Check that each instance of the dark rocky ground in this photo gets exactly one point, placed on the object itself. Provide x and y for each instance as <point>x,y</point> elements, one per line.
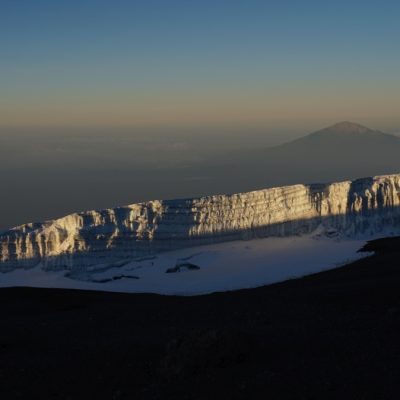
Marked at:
<point>333,335</point>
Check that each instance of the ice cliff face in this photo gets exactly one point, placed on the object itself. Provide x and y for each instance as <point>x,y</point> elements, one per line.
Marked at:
<point>87,238</point>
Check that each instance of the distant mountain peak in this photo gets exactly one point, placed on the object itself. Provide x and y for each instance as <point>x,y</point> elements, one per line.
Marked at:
<point>347,128</point>
<point>344,136</point>
<point>349,125</point>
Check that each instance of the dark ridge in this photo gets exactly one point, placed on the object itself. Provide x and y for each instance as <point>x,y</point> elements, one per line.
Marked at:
<point>382,246</point>
<point>332,335</point>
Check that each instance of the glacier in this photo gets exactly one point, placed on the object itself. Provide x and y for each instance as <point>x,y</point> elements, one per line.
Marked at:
<point>83,240</point>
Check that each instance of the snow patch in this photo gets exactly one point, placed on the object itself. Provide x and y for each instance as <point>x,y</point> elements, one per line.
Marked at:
<point>222,267</point>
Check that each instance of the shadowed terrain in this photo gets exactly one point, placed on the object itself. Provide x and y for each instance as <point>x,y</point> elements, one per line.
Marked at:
<point>330,335</point>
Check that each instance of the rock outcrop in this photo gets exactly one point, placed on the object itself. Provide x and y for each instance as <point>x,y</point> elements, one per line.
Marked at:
<point>95,237</point>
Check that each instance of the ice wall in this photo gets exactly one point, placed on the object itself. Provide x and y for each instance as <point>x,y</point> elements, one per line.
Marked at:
<point>87,238</point>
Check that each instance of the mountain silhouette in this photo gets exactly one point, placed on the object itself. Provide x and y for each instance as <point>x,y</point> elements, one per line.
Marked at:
<point>342,151</point>
<point>345,150</point>
<point>342,136</point>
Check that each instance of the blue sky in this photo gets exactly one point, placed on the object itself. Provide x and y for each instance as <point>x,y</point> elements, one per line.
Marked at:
<point>174,62</point>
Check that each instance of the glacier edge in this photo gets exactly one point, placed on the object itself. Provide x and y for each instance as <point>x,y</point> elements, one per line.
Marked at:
<point>83,239</point>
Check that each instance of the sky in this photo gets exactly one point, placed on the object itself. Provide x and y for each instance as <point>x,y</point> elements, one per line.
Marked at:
<point>243,63</point>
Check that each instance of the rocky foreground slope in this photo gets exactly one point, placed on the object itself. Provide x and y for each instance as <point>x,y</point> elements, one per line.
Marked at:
<point>332,335</point>
<point>78,240</point>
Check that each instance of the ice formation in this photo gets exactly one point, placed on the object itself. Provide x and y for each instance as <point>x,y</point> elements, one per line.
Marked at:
<point>83,239</point>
